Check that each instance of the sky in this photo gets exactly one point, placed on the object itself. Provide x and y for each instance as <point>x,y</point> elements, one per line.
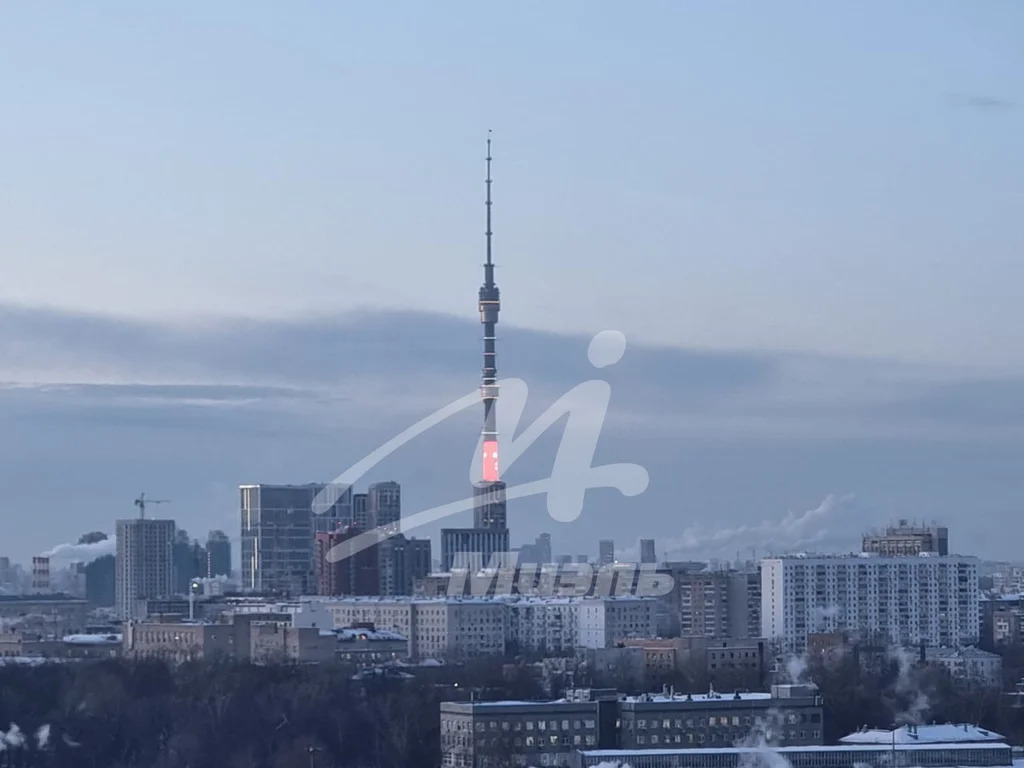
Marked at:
<point>814,206</point>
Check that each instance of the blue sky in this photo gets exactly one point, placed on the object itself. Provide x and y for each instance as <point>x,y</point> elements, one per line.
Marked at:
<point>840,178</point>
<point>822,198</point>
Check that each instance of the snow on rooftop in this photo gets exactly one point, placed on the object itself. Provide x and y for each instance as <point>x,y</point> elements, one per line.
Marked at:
<point>354,633</point>
<point>111,639</point>
<point>663,697</point>
<point>621,754</point>
<point>924,734</point>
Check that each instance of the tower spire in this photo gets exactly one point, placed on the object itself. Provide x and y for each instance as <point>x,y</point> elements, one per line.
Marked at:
<point>489,263</point>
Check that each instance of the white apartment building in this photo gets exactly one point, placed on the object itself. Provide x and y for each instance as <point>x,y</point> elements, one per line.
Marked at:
<point>605,621</point>
<point>435,627</point>
<point>544,624</point>
<point>464,627</point>
<point>903,600</point>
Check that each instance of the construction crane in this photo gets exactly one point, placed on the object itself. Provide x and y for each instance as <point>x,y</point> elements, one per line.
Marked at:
<point>142,501</point>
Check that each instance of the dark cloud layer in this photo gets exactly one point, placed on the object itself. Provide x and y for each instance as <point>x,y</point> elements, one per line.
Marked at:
<point>737,445</point>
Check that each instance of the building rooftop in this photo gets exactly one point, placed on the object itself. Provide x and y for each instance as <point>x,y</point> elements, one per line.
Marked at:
<point>347,635</point>
<point>621,753</point>
<point>699,697</point>
<point>969,652</point>
<point>869,556</point>
<point>948,734</point>
<point>111,639</point>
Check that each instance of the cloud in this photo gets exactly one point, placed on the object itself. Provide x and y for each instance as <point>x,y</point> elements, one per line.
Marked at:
<point>96,409</point>
<point>983,102</point>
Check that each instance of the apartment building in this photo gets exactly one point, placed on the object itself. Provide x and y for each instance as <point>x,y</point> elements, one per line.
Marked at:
<point>906,600</point>
<point>545,625</point>
<point>607,621</point>
<point>439,627</point>
<point>144,563</point>
<point>259,638</point>
<point>723,603</point>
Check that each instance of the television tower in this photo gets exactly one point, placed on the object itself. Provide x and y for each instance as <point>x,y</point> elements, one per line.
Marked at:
<point>489,493</point>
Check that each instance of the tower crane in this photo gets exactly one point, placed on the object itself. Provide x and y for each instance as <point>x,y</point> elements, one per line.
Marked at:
<point>142,501</point>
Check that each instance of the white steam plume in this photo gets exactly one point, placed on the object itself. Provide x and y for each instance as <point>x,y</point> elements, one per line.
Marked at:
<point>13,739</point>
<point>81,553</point>
<point>816,527</point>
<point>796,668</point>
<point>43,736</point>
<point>919,706</point>
<point>762,741</point>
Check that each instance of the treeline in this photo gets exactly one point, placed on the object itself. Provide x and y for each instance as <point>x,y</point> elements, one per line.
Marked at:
<point>146,714</point>
<point>895,692</point>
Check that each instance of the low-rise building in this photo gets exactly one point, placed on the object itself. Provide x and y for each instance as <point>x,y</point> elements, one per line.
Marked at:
<point>479,734</point>
<point>725,660</point>
<point>947,733</point>
<point>790,715</point>
<point>845,756</point>
<point>28,644</point>
<point>485,734</point>
<point>48,614</point>
<point>93,645</point>
<point>368,646</point>
<point>969,666</point>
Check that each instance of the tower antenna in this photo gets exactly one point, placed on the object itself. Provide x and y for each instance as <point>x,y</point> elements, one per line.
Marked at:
<point>489,262</point>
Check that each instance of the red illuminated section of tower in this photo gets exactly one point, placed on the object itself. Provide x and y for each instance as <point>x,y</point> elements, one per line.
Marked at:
<point>490,461</point>
<point>490,305</point>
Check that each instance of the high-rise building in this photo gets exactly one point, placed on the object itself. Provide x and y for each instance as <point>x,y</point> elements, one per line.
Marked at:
<point>145,564</point>
<point>356,574</point>
<point>384,505</point>
<point>218,554</point>
<point>100,576</point>
<point>605,552</point>
<point>538,552</point>
<point>41,575</point>
<point>647,553</point>
<point>277,537</point>
<point>400,562</point>
<point>472,547</point>
<point>907,539</point>
<point>189,562</point>
<point>361,512</point>
<point>333,508</point>
<point>901,600</point>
